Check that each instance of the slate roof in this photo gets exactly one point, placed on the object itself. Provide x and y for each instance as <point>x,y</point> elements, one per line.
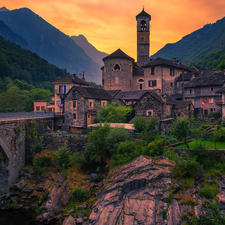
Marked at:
<point>118,54</point>
<point>92,111</point>
<point>70,79</point>
<point>136,95</point>
<point>187,77</point>
<point>177,104</point>
<point>92,93</point>
<point>166,62</point>
<point>209,79</point>
<point>221,90</point>
<point>177,96</point>
<point>113,92</point>
<point>143,14</point>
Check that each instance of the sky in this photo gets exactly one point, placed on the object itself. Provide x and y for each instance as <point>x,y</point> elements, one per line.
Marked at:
<point>111,24</point>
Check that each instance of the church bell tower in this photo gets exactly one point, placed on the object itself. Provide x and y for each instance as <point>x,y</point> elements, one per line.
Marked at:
<point>143,42</point>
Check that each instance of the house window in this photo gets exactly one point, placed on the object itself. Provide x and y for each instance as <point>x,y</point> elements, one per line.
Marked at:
<point>211,89</point>
<point>74,116</point>
<point>117,67</point>
<point>37,108</point>
<point>60,89</point>
<point>212,110</point>
<point>172,72</point>
<point>152,83</point>
<point>149,112</point>
<point>211,100</point>
<point>74,104</point>
<point>140,86</point>
<point>42,108</point>
<point>102,81</point>
<point>190,91</point>
<point>91,103</point>
<point>141,81</point>
<point>152,70</point>
<point>64,89</point>
<point>171,84</point>
<point>103,103</point>
<point>130,68</point>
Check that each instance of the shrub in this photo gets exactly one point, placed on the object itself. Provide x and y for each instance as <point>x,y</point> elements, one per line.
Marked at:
<point>77,158</point>
<point>38,144</point>
<point>79,194</point>
<point>187,166</point>
<point>204,127</point>
<point>156,148</point>
<point>44,161</point>
<point>170,154</point>
<point>114,137</point>
<point>139,124</point>
<point>206,192</point>
<point>126,147</point>
<point>63,156</point>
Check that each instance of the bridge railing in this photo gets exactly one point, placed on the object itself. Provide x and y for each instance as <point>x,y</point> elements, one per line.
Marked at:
<point>25,115</point>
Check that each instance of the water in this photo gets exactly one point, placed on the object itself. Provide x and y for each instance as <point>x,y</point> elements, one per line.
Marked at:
<point>11,218</point>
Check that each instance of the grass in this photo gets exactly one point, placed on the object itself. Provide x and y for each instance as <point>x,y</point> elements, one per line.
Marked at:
<point>208,143</point>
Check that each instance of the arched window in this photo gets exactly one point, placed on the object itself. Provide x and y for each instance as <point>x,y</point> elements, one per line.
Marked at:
<point>116,67</point>
<point>143,25</point>
<point>140,82</point>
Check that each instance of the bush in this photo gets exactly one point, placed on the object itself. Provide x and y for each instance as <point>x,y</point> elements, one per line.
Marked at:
<point>156,148</point>
<point>77,158</point>
<point>79,194</point>
<point>206,192</point>
<point>114,137</point>
<point>204,127</point>
<point>170,154</point>
<point>63,156</point>
<point>187,166</point>
<point>139,124</point>
<point>44,161</point>
<point>126,147</point>
<point>38,144</point>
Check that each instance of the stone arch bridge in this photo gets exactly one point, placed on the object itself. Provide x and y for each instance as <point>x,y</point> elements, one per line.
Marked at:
<point>15,146</point>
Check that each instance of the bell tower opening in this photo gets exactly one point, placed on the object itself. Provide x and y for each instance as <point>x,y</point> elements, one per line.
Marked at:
<point>143,40</point>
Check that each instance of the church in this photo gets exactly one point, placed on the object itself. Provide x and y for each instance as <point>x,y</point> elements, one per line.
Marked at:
<point>121,72</point>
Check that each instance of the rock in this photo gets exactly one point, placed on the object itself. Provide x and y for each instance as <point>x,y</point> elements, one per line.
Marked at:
<point>40,188</point>
<point>100,184</point>
<point>71,211</point>
<point>69,221</point>
<point>81,215</point>
<point>27,189</point>
<point>133,192</point>
<point>20,185</point>
<point>85,218</point>
<point>84,206</point>
<point>210,180</point>
<point>80,220</point>
<point>94,177</point>
<point>98,194</point>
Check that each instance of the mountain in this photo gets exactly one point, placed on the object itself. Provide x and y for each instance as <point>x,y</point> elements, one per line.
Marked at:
<point>9,35</point>
<point>89,49</point>
<point>50,43</point>
<point>190,48</point>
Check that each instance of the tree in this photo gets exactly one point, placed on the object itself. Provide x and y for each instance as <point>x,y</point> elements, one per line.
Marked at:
<point>181,128</point>
<point>139,123</point>
<point>216,135</point>
<point>222,65</point>
<point>113,113</point>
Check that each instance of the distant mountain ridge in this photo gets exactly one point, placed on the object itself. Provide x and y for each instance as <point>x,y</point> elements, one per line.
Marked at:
<point>89,49</point>
<point>50,43</point>
<point>202,41</point>
<point>9,35</point>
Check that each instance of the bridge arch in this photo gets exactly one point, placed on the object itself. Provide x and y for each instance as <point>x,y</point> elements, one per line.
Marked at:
<point>4,151</point>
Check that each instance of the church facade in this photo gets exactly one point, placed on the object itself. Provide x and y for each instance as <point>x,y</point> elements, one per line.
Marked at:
<point>121,72</point>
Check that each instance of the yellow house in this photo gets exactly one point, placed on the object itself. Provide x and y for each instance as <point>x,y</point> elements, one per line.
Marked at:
<point>62,86</point>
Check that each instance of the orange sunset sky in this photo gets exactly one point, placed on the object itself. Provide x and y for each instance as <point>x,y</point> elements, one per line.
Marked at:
<point>111,24</point>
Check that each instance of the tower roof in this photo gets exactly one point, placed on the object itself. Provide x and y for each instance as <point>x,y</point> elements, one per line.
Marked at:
<point>143,14</point>
<point>118,54</point>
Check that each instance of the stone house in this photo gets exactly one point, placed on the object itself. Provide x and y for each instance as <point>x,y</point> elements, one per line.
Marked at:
<point>202,91</point>
<point>81,104</point>
<point>61,88</point>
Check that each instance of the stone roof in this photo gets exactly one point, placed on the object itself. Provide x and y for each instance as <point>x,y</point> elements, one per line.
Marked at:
<point>136,95</point>
<point>187,77</point>
<point>143,14</point>
<point>118,54</point>
<point>209,79</point>
<point>92,111</point>
<point>92,93</point>
<point>113,92</point>
<point>177,96</point>
<point>221,90</point>
<point>168,63</point>
<point>70,79</point>
<point>177,104</point>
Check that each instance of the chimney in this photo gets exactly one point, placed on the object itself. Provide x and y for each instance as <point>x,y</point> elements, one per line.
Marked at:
<point>174,60</point>
<point>74,75</point>
<point>83,77</point>
<point>178,62</point>
<point>151,60</point>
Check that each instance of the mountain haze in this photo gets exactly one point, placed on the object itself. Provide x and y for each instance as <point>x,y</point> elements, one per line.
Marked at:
<point>50,43</point>
<point>190,48</point>
<point>89,49</point>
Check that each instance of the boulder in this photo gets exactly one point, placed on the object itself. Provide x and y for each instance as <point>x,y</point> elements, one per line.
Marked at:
<point>69,221</point>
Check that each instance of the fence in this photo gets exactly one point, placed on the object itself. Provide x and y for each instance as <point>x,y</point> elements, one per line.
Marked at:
<point>25,115</point>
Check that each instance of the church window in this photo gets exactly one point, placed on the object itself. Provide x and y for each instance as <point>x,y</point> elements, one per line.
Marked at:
<point>143,25</point>
<point>152,70</point>
<point>116,67</point>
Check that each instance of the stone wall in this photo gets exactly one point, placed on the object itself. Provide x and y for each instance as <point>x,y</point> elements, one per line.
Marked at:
<point>15,145</point>
<point>76,143</point>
